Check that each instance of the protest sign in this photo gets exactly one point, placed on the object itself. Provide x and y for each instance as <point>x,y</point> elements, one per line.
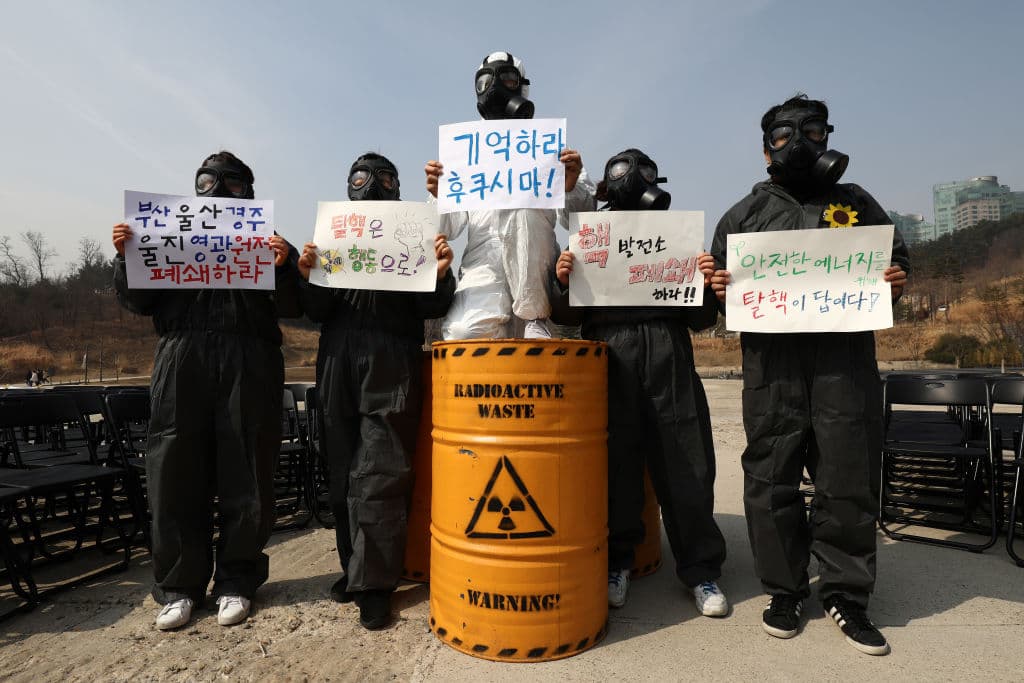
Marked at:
<point>501,164</point>
<point>376,245</point>
<point>636,258</point>
<point>198,242</point>
<point>809,280</point>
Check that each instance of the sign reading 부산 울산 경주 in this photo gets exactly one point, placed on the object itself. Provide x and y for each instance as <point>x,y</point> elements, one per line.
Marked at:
<point>183,242</point>
<point>501,164</point>
<point>375,245</point>
<point>809,280</point>
<point>636,258</point>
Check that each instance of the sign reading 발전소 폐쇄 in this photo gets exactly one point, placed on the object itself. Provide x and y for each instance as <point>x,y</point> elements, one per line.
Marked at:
<point>376,245</point>
<point>198,242</point>
<point>636,258</point>
<point>501,164</point>
<point>809,280</point>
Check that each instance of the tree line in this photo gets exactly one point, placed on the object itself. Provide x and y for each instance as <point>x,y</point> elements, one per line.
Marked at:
<point>984,261</point>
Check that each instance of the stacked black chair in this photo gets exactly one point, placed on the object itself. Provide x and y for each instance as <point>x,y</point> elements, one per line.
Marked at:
<point>1010,392</point>
<point>126,414</point>
<point>318,473</point>
<point>17,574</point>
<point>44,429</point>
<point>56,495</point>
<point>290,475</point>
<point>939,467</point>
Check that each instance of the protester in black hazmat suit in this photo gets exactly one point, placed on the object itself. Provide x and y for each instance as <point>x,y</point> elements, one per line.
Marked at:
<point>215,425</point>
<point>811,401</point>
<point>369,376</point>
<point>657,410</point>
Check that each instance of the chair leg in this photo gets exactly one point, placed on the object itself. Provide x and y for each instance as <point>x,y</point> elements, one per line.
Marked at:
<point>1011,530</point>
<point>19,571</point>
<point>993,528</point>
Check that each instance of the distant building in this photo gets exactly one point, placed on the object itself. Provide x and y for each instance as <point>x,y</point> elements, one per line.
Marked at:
<point>913,227</point>
<point>965,203</point>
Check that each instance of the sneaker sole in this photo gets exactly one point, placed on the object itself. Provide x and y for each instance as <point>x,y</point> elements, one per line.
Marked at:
<point>874,650</point>
<point>617,605</point>
<point>374,625</point>
<point>172,627</point>
<point>778,632</point>
<point>714,613</point>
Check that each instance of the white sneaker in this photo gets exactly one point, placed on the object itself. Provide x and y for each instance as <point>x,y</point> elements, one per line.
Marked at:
<point>710,599</point>
<point>174,614</point>
<point>233,609</point>
<point>537,329</point>
<point>618,586</point>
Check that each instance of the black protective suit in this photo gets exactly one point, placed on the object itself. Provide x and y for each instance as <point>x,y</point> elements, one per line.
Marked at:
<point>658,415</point>
<point>810,401</point>
<point>369,374</point>
<point>215,430</point>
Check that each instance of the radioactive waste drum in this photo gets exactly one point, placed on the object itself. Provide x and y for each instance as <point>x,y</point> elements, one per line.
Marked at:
<point>519,552</point>
<point>416,565</point>
<point>647,555</point>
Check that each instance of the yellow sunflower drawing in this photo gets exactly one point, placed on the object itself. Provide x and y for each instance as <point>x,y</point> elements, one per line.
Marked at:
<point>839,216</point>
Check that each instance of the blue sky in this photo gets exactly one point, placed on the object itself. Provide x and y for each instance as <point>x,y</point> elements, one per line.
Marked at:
<point>99,97</point>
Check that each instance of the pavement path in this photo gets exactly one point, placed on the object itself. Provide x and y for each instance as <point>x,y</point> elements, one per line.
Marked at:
<point>949,615</point>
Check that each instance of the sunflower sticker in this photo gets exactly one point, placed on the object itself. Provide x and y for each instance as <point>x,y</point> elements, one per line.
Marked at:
<point>840,216</point>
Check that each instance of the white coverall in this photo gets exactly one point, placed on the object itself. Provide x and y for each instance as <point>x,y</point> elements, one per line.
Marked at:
<point>505,267</point>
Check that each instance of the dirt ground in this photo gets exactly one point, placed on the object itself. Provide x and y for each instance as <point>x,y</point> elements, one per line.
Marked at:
<point>949,615</point>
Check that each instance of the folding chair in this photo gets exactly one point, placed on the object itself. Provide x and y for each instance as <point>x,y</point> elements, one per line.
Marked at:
<point>43,429</point>
<point>290,476</point>
<point>127,417</point>
<point>1011,426</point>
<point>15,570</point>
<point>89,401</point>
<point>317,472</point>
<point>939,474</point>
<point>48,538</point>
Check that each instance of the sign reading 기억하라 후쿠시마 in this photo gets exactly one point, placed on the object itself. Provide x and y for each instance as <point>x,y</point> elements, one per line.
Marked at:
<point>501,164</point>
<point>636,258</point>
<point>376,245</point>
<point>181,242</point>
<point>809,280</point>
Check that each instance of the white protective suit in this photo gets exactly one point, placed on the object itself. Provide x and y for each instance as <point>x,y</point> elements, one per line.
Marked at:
<point>505,268</point>
<point>509,252</point>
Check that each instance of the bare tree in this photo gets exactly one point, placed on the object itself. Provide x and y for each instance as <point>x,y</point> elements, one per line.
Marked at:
<point>40,250</point>
<point>12,267</point>
<point>90,254</point>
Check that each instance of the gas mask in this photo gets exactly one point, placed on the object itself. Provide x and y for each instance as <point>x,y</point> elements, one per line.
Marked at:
<point>631,183</point>
<point>502,87</point>
<point>224,179</point>
<point>797,146</point>
<point>373,178</point>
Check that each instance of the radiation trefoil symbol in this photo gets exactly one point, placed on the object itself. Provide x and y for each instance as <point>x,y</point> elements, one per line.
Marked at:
<point>332,261</point>
<point>839,216</point>
<point>506,509</point>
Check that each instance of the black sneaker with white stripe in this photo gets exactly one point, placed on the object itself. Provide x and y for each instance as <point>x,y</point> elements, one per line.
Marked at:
<point>854,622</point>
<point>781,618</point>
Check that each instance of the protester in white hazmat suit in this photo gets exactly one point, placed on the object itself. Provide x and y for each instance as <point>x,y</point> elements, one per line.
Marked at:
<point>509,252</point>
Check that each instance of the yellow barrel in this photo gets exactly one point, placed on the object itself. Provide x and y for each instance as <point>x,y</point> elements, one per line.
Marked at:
<point>416,566</point>
<point>647,558</point>
<point>519,549</point>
